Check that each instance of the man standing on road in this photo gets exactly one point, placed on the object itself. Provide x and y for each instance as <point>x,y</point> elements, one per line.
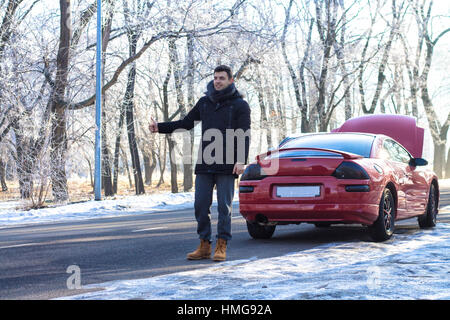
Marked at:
<point>224,147</point>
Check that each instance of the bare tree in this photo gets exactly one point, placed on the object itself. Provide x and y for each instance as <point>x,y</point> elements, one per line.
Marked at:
<point>170,139</point>
<point>9,118</point>
<point>397,15</point>
<point>298,83</point>
<point>106,154</point>
<point>58,108</point>
<point>438,131</point>
<point>133,34</point>
<point>187,138</point>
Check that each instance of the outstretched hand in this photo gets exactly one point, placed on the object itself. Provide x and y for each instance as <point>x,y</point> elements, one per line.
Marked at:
<point>153,126</point>
<point>239,168</point>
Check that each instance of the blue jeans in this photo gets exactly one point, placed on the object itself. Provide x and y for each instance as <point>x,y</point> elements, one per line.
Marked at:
<point>204,186</point>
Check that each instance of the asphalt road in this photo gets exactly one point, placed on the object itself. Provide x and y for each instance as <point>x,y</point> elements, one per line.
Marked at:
<point>34,259</point>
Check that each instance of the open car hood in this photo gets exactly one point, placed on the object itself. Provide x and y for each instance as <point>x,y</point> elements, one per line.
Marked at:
<point>399,127</point>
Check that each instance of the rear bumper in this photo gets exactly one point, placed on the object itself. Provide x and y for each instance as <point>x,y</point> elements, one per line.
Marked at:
<point>338,202</point>
<point>292,213</point>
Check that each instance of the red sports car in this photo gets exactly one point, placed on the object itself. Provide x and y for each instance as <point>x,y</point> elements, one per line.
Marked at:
<point>370,171</point>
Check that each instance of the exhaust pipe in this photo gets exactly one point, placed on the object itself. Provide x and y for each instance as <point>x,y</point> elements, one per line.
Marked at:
<point>263,221</point>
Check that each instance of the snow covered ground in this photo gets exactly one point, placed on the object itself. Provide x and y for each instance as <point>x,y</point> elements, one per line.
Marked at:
<point>409,266</point>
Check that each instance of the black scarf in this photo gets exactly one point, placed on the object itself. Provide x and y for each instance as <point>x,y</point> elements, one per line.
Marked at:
<point>218,96</point>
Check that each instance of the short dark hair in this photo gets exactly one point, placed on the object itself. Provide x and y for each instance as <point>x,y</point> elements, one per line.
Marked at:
<point>224,68</point>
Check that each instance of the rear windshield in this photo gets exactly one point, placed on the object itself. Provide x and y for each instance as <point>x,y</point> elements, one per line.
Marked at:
<point>360,144</point>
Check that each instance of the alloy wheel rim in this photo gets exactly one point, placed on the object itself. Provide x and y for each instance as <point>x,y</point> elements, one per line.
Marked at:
<point>387,214</point>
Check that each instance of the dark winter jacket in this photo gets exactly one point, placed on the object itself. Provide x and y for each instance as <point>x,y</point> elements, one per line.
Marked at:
<point>219,111</point>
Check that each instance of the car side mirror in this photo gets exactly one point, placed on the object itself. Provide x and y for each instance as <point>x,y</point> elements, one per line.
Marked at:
<point>415,162</point>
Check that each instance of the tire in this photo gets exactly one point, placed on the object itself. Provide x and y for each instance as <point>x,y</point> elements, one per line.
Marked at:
<point>428,220</point>
<point>257,231</point>
<point>383,228</point>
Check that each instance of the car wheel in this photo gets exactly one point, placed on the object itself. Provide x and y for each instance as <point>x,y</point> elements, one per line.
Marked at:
<point>428,220</point>
<point>383,228</point>
<point>258,231</point>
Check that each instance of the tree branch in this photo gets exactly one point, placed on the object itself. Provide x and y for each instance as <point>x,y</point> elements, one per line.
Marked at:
<point>440,35</point>
<point>91,100</point>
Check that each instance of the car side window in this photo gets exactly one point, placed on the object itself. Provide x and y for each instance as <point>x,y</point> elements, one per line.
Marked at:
<point>395,151</point>
<point>385,151</point>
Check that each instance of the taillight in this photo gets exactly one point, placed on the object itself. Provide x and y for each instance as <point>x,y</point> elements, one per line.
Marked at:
<point>253,172</point>
<point>350,170</point>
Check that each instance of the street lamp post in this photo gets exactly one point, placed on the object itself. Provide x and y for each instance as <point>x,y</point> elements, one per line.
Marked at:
<point>98,106</point>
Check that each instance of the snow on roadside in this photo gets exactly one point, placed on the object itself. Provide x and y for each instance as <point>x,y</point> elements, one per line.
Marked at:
<point>409,266</point>
<point>9,215</point>
<point>143,204</point>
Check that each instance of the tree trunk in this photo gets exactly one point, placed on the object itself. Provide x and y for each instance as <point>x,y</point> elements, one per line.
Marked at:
<point>117,148</point>
<point>327,34</point>
<point>173,165</point>
<point>187,145</point>
<point>58,110</point>
<point>24,163</point>
<point>24,172</point>
<point>264,124</point>
<point>447,166</point>
<point>149,167</point>
<point>129,116</point>
<point>162,164</point>
<point>2,175</point>
<point>106,154</point>
<point>106,160</point>
<point>339,48</point>
<point>439,159</point>
<point>170,142</point>
<point>91,175</point>
<point>281,107</point>
<point>188,165</point>
<point>127,167</point>
<point>300,102</point>
<point>438,132</point>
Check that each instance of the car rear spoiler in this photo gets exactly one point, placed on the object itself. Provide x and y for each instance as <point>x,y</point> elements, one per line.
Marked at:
<point>345,155</point>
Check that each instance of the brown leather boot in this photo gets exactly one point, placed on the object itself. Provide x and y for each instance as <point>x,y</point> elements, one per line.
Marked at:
<point>220,253</point>
<point>203,251</point>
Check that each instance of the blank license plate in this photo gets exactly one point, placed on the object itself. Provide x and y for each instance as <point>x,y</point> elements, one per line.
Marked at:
<point>298,191</point>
